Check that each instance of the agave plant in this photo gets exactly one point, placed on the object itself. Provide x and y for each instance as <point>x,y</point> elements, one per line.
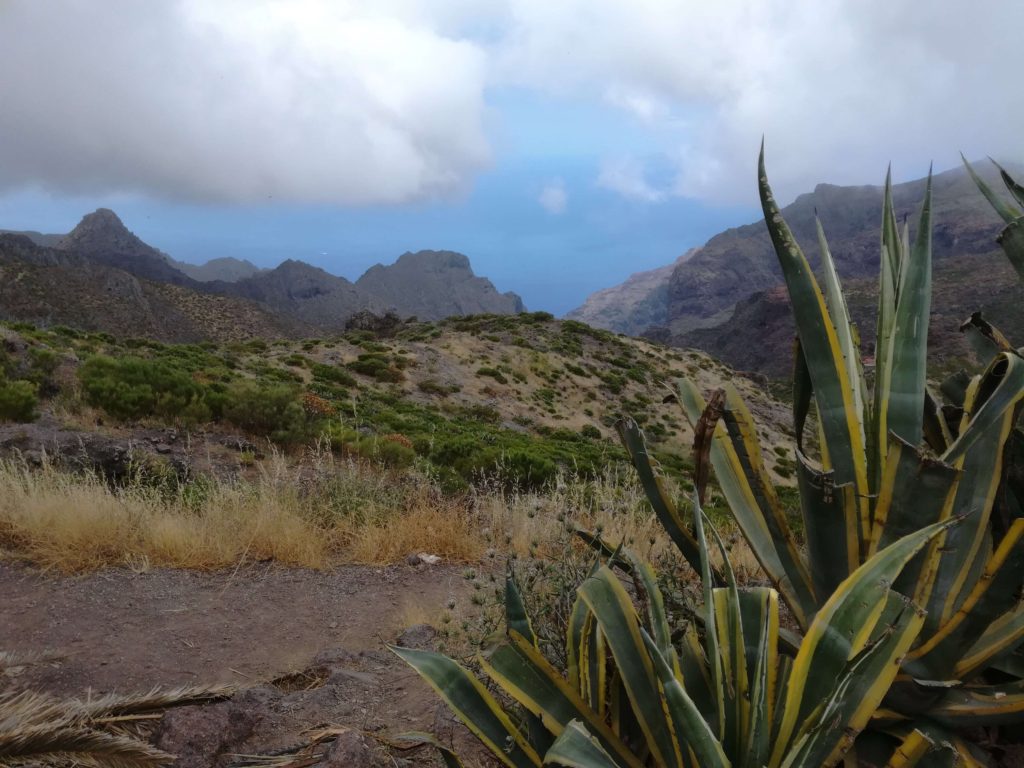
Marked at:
<point>891,462</point>
<point>632,697</point>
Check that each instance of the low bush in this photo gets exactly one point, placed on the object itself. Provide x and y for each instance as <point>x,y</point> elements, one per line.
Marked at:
<point>18,401</point>
<point>271,410</point>
<point>132,388</point>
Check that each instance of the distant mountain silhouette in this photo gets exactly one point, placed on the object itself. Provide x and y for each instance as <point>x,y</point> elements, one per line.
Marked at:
<point>435,284</point>
<point>101,257</point>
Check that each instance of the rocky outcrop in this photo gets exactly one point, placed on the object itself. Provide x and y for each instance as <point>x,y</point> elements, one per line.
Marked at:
<point>634,305</point>
<point>226,269</point>
<point>305,293</point>
<point>431,285</point>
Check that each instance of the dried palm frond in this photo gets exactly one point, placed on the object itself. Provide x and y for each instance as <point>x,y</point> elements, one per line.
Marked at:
<point>39,729</point>
<point>51,744</point>
<point>157,699</point>
<point>11,659</point>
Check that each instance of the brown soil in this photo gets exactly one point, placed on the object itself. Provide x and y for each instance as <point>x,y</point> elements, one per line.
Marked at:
<point>118,630</point>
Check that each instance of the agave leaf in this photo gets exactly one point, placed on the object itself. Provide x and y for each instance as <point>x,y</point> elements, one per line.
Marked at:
<point>977,705</point>
<point>833,388</point>
<point>916,491</point>
<point>586,656</point>
<point>712,642</point>
<point>978,328</point>
<point>1006,211</point>
<point>842,629</point>
<point>980,471</point>
<point>831,517</point>
<point>614,611</point>
<point>646,582</point>
<point>892,258</point>
<point>665,509</point>
<point>736,457</point>
<point>857,692</point>
<point>525,675</point>
<point>687,719</point>
<point>1002,637</point>
<point>1015,189</point>
<point>908,352</point>
<point>516,618</point>
<point>994,593</point>
<point>911,750</point>
<point>760,610</point>
<point>473,705</point>
<point>1001,388</point>
<point>936,431</point>
<point>1012,240</point>
<point>576,748</point>
<point>845,330</point>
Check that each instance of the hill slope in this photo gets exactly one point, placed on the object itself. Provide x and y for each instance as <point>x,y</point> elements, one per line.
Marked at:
<point>56,287</point>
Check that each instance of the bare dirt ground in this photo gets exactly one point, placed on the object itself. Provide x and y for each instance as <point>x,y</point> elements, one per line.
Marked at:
<point>319,635</point>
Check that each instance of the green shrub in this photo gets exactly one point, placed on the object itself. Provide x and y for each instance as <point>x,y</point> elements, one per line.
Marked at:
<point>589,430</point>
<point>132,388</point>
<point>18,401</point>
<point>271,410</point>
<point>376,366</point>
<point>434,387</point>
<point>493,373</point>
<point>333,374</point>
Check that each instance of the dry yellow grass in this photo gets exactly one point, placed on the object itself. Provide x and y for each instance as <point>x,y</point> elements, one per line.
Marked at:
<point>314,513</point>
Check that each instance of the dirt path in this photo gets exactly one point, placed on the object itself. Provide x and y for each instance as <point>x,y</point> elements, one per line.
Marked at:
<point>125,631</point>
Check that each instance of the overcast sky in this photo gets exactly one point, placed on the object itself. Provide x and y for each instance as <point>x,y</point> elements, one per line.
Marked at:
<point>561,145</point>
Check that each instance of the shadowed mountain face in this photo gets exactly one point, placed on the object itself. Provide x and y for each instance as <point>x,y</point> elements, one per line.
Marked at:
<point>431,285</point>
<point>306,293</point>
<point>104,261</point>
<point>226,269</point>
<point>48,287</point>
<point>632,306</point>
<point>725,298</point>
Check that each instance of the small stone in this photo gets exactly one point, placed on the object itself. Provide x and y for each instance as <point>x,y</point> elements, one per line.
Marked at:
<point>349,750</point>
<point>418,636</point>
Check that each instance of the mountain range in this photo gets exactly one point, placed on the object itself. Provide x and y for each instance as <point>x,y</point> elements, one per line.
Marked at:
<point>726,297</point>
<point>101,276</point>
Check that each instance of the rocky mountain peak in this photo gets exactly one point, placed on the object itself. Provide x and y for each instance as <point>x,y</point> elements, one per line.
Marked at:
<point>435,284</point>
<point>103,231</point>
<point>435,261</point>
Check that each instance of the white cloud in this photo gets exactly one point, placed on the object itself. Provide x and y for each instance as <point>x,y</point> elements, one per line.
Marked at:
<point>238,100</point>
<point>357,101</point>
<point>626,176</point>
<point>838,87</point>
<point>553,198</point>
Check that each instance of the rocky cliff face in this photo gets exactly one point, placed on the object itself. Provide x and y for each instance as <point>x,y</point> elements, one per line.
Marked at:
<point>741,261</point>
<point>435,284</point>
<point>633,306</point>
